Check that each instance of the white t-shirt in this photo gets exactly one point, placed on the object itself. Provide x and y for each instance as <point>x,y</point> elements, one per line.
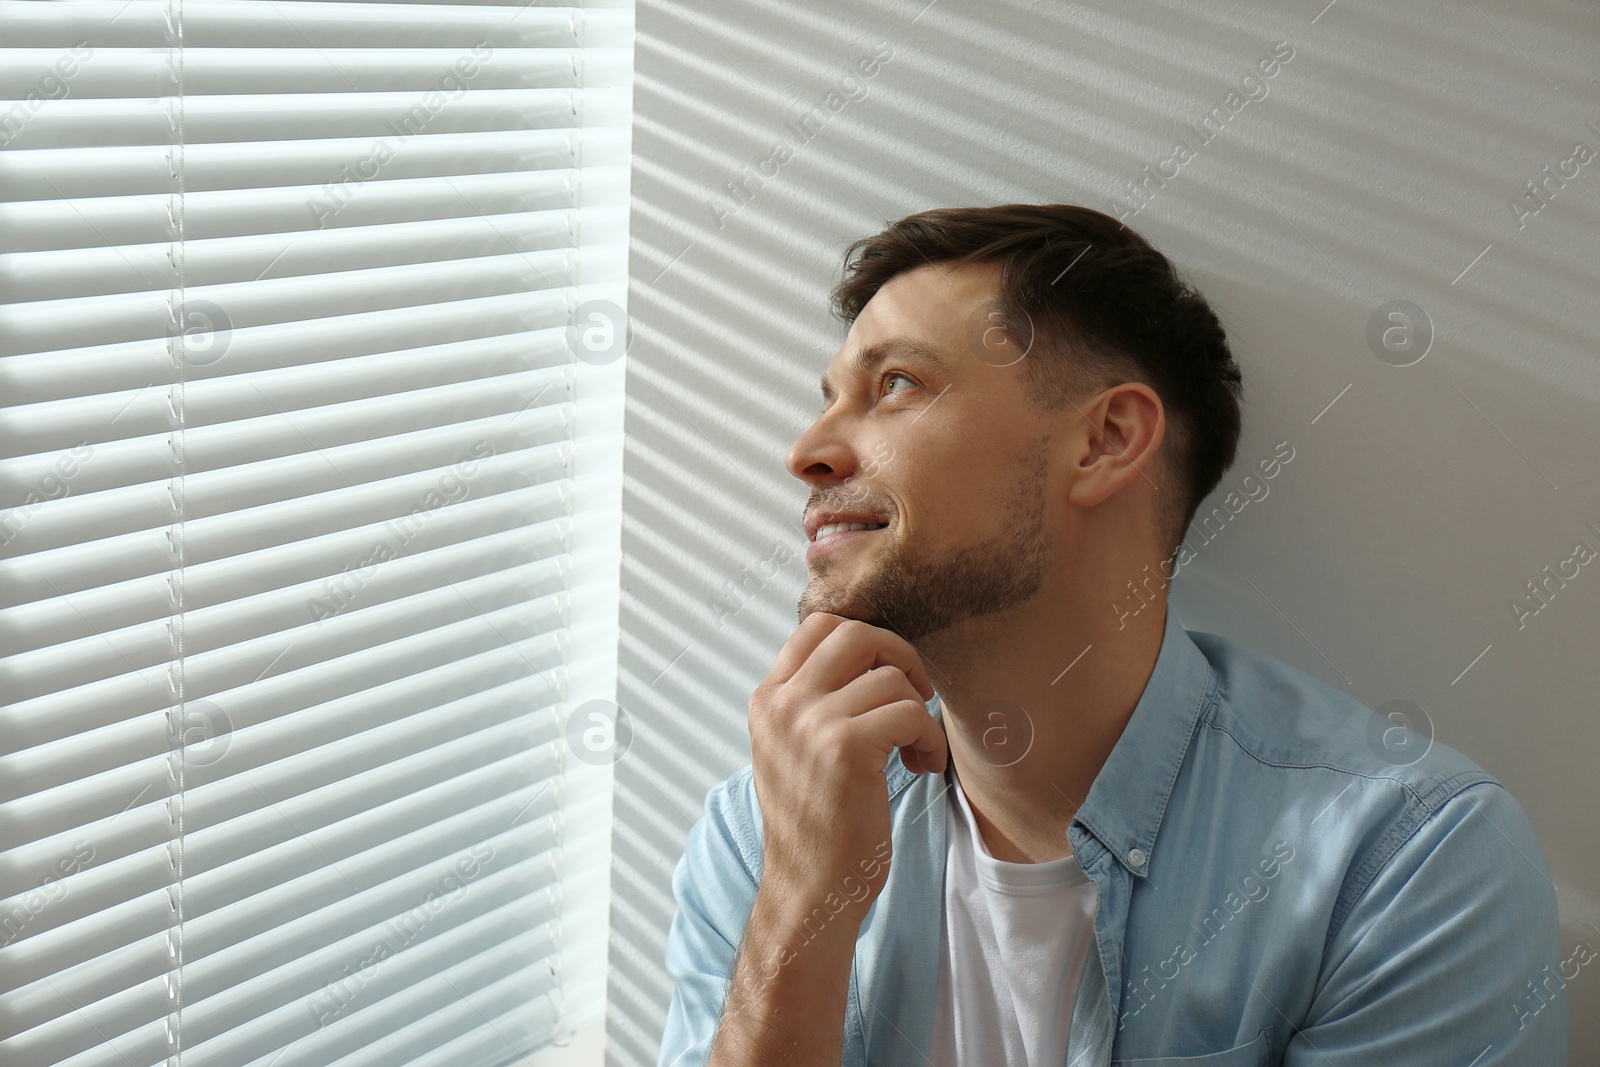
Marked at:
<point>1014,942</point>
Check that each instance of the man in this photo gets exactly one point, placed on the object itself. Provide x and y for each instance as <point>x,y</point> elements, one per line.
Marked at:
<point>1105,839</point>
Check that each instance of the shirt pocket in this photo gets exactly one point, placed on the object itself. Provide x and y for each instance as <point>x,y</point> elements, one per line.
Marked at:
<point>1250,1054</point>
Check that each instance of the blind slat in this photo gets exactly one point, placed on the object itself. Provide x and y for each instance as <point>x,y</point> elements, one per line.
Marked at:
<point>300,23</point>
<point>125,901</point>
<point>81,321</point>
<point>382,480</point>
<point>519,1010</point>
<point>459,540</point>
<point>93,222</point>
<point>350,1032</point>
<point>46,174</point>
<point>221,69</point>
<point>85,272</point>
<point>87,372</point>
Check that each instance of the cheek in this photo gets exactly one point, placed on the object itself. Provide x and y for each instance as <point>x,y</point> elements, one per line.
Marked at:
<point>946,499</point>
<point>956,468</point>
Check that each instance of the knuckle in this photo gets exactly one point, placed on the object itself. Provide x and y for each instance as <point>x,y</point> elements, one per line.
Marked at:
<point>771,707</point>
<point>781,711</point>
<point>834,743</point>
<point>891,676</point>
<point>909,712</point>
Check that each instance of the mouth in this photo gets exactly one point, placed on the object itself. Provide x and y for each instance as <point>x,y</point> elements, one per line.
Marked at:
<point>833,535</point>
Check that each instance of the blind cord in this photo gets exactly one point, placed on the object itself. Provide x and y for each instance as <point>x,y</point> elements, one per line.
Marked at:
<point>181,369</point>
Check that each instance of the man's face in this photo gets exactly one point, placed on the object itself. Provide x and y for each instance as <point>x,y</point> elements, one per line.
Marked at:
<point>927,437</point>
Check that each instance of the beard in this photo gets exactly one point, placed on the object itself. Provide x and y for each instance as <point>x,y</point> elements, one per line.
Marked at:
<point>917,595</point>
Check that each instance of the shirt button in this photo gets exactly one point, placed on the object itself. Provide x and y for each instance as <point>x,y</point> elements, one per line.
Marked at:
<point>1136,857</point>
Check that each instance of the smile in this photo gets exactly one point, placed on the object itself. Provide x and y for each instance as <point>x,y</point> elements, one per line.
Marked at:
<point>836,534</point>
<point>837,527</point>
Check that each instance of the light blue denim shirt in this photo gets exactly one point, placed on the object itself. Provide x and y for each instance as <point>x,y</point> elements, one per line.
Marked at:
<point>1283,879</point>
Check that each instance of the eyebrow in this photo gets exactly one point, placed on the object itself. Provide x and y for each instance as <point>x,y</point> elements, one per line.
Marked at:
<point>868,359</point>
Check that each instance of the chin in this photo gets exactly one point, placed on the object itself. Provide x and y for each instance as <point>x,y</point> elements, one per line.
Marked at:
<point>831,600</point>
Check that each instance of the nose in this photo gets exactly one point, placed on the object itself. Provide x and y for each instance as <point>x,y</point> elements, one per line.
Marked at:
<point>821,455</point>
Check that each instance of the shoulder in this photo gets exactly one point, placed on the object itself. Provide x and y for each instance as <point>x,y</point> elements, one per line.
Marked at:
<point>1380,791</point>
<point>1285,718</point>
<point>1401,817</point>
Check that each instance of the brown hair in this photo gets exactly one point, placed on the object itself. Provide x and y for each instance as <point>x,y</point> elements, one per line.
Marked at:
<point>1098,306</point>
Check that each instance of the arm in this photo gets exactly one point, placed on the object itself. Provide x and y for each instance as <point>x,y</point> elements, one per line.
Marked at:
<point>782,983</point>
<point>841,696</point>
<point>714,885</point>
<point>1450,956</point>
<point>786,1004</point>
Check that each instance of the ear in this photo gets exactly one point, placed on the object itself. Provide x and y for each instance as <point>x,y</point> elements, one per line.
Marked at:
<point>1123,426</point>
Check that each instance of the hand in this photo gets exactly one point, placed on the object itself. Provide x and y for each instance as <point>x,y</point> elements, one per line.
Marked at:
<point>842,694</point>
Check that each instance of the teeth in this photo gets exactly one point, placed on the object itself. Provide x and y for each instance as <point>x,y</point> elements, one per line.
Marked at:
<point>837,527</point>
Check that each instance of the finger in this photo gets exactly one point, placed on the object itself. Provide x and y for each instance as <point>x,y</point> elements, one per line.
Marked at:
<point>879,686</point>
<point>851,649</point>
<point>804,641</point>
<point>906,724</point>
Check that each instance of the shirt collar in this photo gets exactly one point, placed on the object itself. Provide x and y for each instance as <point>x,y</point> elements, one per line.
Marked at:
<point>1129,795</point>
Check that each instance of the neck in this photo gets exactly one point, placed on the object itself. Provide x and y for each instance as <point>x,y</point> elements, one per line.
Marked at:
<point>1033,702</point>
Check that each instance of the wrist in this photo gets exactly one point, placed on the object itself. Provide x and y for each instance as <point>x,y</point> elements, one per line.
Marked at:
<point>805,911</point>
<point>797,891</point>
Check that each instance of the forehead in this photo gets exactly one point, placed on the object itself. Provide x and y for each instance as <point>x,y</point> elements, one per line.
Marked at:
<point>918,315</point>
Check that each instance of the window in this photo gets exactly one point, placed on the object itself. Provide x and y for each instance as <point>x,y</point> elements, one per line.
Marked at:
<point>310,317</point>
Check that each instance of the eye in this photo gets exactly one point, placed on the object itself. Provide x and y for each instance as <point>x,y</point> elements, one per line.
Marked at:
<point>892,375</point>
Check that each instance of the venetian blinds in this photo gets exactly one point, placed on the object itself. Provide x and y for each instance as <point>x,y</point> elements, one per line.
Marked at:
<point>306,316</point>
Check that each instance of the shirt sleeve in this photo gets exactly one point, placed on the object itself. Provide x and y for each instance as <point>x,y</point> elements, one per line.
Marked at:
<point>714,887</point>
<point>1450,955</point>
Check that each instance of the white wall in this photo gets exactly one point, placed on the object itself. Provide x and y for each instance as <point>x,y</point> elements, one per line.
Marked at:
<point>1381,165</point>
